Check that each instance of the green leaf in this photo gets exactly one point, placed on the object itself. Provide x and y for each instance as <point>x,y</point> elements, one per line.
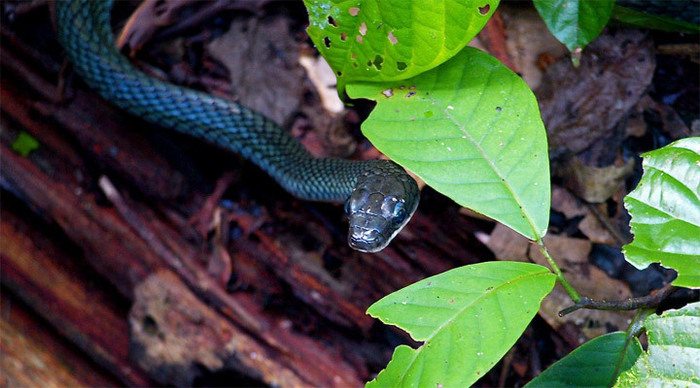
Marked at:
<point>471,129</point>
<point>468,317</point>
<point>575,23</point>
<point>656,22</point>
<point>597,363</point>
<point>24,144</point>
<point>665,210</point>
<point>673,353</point>
<point>392,39</point>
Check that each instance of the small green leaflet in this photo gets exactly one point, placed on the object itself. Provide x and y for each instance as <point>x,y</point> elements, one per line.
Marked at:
<point>471,129</point>
<point>468,317</point>
<point>665,210</point>
<point>392,39</point>
<point>597,363</point>
<point>24,144</point>
<point>672,358</point>
<point>575,23</point>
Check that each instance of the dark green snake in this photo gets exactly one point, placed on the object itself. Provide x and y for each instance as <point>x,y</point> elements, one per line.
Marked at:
<point>379,196</point>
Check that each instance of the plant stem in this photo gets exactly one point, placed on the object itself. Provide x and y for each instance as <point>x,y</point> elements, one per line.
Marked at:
<point>648,301</point>
<point>555,268</point>
<point>633,330</point>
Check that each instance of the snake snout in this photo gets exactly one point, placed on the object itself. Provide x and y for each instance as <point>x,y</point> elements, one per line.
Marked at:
<point>366,240</point>
<point>366,232</point>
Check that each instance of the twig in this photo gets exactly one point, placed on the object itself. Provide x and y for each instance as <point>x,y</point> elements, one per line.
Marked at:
<point>648,301</point>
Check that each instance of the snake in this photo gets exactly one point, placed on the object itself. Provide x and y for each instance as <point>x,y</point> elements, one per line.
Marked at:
<point>379,195</point>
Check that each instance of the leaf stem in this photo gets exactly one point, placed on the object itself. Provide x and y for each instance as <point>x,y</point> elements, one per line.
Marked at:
<point>570,290</point>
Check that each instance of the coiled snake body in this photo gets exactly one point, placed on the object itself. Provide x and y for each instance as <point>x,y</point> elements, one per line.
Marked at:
<point>379,196</point>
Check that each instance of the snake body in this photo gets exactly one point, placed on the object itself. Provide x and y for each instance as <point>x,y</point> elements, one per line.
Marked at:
<point>379,196</point>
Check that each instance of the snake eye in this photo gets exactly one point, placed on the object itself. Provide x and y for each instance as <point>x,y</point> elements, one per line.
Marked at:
<point>399,211</point>
<point>347,206</point>
<point>393,208</point>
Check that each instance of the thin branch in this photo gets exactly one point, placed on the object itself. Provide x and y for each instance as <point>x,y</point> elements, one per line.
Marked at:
<point>648,301</point>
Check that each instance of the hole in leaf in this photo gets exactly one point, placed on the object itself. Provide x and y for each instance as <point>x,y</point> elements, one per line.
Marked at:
<point>363,29</point>
<point>369,63</point>
<point>401,65</point>
<point>392,38</point>
<point>354,11</point>
<point>428,114</point>
<point>332,21</point>
<point>378,60</point>
<point>339,73</point>
<point>485,9</point>
<point>410,94</point>
<point>498,109</point>
<point>343,36</point>
<point>388,93</point>
<point>327,42</point>
<point>359,38</point>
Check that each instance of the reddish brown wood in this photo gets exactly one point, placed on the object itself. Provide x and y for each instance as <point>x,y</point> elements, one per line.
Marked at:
<point>33,355</point>
<point>50,280</point>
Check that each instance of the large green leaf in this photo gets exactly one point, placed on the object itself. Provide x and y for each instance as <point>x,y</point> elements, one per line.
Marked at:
<point>575,22</point>
<point>471,129</point>
<point>673,356</point>
<point>392,39</point>
<point>665,209</point>
<point>597,363</point>
<point>468,317</point>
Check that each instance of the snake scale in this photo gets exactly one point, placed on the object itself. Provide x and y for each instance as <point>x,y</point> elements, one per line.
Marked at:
<point>379,195</point>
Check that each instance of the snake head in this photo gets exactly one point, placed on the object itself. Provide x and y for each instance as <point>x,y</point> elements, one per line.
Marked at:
<point>383,202</point>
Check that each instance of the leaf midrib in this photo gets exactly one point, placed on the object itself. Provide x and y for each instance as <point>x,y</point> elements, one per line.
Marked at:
<point>482,152</point>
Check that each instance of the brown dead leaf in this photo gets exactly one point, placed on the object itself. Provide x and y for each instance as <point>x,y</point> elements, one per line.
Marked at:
<point>582,105</point>
<point>595,184</point>
<point>502,243</point>
<point>566,203</point>
<point>527,41</point>
<point>264,66</point>
<point>596,232</point>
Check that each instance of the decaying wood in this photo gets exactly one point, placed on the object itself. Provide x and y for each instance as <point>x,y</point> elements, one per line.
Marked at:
<point>34,357</point>
<point>53,281</point>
